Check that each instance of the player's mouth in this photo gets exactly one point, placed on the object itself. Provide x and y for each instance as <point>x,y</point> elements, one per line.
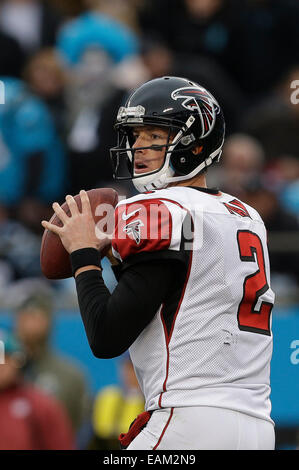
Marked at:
<point>140,167</point>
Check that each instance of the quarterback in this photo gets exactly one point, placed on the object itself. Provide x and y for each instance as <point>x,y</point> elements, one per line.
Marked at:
<point>193,301</point>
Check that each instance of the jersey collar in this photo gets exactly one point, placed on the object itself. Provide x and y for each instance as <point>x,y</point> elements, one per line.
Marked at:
<point>213,191</point>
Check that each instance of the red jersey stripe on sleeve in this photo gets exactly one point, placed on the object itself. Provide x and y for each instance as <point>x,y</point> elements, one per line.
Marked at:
<point>142,226</point>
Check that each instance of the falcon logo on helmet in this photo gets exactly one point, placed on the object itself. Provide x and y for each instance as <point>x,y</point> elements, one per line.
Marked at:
<point>207,107</point>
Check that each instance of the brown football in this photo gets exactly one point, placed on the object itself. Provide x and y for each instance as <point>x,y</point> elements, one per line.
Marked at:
<point>54,259</point>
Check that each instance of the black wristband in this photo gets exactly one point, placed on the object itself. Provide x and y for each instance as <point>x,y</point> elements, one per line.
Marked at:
<point>85,257</point>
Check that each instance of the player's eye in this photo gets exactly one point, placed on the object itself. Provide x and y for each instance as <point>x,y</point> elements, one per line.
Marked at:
<point>156,136</point>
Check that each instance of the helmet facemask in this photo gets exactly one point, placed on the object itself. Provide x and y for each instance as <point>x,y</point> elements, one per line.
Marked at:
<point>179,141</point>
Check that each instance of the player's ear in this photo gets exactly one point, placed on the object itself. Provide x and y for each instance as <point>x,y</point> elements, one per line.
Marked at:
<point>197,149</point>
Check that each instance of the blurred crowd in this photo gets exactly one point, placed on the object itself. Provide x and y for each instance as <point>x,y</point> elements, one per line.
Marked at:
<point>46,401</point>
<point>65,68</point>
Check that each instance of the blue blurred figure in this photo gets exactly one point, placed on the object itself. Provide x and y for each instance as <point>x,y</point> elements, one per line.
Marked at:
<point>96,30</point>
<point>289,198</point>
<point>32,157</point>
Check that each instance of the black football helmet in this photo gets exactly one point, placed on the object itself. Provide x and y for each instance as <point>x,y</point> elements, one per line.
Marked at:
<point>192,117</point>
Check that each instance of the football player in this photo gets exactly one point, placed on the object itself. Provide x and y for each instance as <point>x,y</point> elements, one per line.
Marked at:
<point>193,301</point>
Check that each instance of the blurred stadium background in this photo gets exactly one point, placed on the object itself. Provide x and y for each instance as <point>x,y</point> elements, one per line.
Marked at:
<point>66,67</point>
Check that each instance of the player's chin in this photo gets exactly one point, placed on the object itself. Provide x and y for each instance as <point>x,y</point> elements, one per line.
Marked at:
<point>142,171</point>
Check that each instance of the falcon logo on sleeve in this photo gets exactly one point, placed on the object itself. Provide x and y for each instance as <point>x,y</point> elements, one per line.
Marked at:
<point>133,230</point>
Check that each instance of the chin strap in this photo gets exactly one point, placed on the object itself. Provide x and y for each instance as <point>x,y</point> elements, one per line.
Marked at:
<point>162,178</point>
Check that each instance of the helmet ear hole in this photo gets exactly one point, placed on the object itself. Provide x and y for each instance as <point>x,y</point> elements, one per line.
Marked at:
<point>185,162</point>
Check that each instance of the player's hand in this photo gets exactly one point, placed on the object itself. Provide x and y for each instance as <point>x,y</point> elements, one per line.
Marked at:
<point>78,230</point>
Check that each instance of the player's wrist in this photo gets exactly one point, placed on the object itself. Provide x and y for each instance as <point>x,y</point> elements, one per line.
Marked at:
<point>86,268</point>
<point>82,246</point>
<point>85,257</point>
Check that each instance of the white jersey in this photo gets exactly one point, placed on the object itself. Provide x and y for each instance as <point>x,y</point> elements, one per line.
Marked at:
<point>212,345</point>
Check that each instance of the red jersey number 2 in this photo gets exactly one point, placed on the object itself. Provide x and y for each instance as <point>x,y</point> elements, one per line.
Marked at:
<point>250,316</point>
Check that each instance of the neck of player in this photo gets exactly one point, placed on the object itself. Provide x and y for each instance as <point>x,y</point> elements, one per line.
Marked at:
<point>198,180</point>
